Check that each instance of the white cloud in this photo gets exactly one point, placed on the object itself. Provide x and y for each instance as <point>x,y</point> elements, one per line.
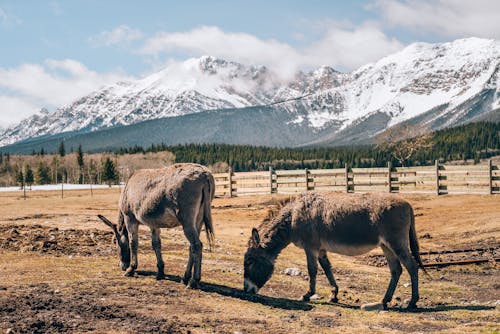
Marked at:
<point>122,34</point>
<point>241,47</point>
<point>449,18</point>
<point>350,48</point>
<point>14,109</point>
<point>343,48</point>
<point>29,87</point>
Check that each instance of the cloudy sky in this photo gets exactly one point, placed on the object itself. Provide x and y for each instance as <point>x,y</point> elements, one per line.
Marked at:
<point>53,52</point>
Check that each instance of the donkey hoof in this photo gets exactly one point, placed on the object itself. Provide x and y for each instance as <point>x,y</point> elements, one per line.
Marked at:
<point>160,276</point>
<point>129,272</point>
<point>305,298</point>
<point>185,280</point>
<point>193,284</point>
<point>333,300</point>
<point>411,306</point>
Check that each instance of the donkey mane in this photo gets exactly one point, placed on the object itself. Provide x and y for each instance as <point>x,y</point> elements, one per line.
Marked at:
<point>275,207</point>
<point>275,228</point>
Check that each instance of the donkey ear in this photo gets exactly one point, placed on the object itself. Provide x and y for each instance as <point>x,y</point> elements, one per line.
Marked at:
<point>110,224</point>
<point>255,236</point>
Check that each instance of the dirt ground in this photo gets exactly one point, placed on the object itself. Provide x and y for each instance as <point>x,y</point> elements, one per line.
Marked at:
<point>59,273</point>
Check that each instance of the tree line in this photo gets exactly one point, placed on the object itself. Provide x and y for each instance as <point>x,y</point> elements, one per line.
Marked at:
<point>40,168</point>
<point>474,142</point>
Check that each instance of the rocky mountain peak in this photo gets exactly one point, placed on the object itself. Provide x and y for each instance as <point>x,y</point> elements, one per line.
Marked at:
<point>414,81</point>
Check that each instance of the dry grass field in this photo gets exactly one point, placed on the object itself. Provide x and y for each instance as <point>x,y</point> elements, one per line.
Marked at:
<point>59,273</point>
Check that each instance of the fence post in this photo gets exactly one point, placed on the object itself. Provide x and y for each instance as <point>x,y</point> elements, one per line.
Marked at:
<point>490,174</point>
<point>230,178</point>
<point>307,179</point>
<point>271,179</point>
<point>389,179</point>
<point>346,178</point>
<point>437,177</point>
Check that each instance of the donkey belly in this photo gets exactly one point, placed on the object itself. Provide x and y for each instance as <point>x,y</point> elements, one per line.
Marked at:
<point>167,219</point>
<point>348,249</point>
<point>354,238</point>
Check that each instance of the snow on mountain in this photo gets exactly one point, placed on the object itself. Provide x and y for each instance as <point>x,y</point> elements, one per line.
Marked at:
<point>406,84</point>
<point>402,86</point>
<point>191,86</point>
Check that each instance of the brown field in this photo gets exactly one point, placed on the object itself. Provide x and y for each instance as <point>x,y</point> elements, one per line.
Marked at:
<point>59,273</point>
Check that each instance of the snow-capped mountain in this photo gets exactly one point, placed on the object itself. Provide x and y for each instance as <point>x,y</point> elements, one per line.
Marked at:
<point>435,85</point>
<point>412,82</point>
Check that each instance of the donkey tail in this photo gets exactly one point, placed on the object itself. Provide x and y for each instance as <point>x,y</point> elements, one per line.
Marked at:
<point>208,193</point>
<point>414,247</point>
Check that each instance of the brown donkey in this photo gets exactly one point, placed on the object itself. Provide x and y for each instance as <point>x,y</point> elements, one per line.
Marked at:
<point>347,224</point>
<point>177,195</point>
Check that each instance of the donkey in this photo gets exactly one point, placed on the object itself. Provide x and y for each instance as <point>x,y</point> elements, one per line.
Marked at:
<point>347,224</point>
<point>177,195</point>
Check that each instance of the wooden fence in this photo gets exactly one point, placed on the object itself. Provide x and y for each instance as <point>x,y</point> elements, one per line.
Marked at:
<point>438,179</point>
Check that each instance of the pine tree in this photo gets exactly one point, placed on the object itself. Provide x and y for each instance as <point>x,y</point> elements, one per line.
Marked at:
<point>109,172</point>
<point>80,162</point>
<point>42,174</point>
<point>62,150</point>
<point>20,178</point>
<point>29,177</point>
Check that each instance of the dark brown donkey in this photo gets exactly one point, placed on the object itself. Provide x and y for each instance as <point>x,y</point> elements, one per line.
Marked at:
<point>177,195</point>
<point>348,224</point>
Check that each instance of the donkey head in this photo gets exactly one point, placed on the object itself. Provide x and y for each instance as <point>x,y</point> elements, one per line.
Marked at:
<point>258,268</point>
<point>121,240</point>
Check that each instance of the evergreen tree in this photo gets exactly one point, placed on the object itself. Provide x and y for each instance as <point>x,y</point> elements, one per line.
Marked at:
<point>80,162</point>
<point>20,178</point>
<point>62,150</point>
<point>29,177</point>
<point>109,172</point>
<point>42,174</point>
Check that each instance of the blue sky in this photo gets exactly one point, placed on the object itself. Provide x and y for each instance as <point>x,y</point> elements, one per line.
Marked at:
<point>56,51</point>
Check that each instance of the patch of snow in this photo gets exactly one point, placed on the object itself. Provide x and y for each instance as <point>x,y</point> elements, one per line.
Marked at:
<point>67,186</point>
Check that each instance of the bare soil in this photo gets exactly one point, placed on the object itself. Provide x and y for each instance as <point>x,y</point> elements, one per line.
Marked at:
<point>59,273</point>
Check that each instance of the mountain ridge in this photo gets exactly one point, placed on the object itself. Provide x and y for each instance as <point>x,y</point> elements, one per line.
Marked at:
<point>462,74</point>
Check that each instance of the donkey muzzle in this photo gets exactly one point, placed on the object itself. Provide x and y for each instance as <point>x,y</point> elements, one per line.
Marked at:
<point>249,286</point>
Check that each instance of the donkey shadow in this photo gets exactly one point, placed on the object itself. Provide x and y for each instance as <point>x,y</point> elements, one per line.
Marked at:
<point>290,304</point>
<point>282,303</point>
<point>425,309</point>
<point>444,308</point>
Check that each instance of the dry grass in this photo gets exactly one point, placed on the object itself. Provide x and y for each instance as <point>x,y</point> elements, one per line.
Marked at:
<point>46,291</point>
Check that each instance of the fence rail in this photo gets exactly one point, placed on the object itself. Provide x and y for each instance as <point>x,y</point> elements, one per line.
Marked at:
<point>438,179</point>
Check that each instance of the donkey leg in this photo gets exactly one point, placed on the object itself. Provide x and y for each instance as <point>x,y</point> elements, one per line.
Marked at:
<point>195,254</point>
<point>411,266</point>
<point>133,237</point>
<point>156,243</point>
<point>327,268</point>
<point>189,268</point>
<point>396,271</point>
<point>312,268</point>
